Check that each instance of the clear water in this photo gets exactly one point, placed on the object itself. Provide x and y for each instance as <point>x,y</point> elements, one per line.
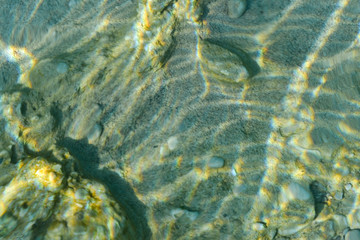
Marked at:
<point>179,119</point>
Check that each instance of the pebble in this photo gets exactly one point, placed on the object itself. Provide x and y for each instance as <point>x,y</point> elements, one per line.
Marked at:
<point>236,8</point>
<point>219,62</point>
<point>339,195</point>
<point>341,222</point>
<point>353,235</point>
<point>81,194</point>
<point>291,230</point>
<point>233,172</point>
<point>62,68</point>
<point>348,187</point>
<point>172,143</point>
<point>178,212</point>
<point>353,218</point>
<point>259,226</point>
<point>296,191</point>
<point>57,168</point>
<point>95,133</point>
<point>74,174</point>
<point>192,215</point>
<point>162,151</point>
<point>216,162</point>
<point>290,128</point>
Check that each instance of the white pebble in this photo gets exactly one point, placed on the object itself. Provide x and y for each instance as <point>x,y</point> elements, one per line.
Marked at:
<point>295,191</point>
<point>233,172</point>
<point>62,68</point>
<point>298,191</point>
<point>176,213</point>
<point>348,187</point>
<point>259,226</point>
<point>162,151</point>
<point>339,195</point>
<point>95,133</point>
<point>172,142</point>
<point>236,8</point>
<point>216,162</point>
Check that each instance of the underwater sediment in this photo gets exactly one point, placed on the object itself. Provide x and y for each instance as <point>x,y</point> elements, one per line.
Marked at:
<point>180,120</point>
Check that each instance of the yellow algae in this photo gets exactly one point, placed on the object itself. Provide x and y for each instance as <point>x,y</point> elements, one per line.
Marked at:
<point>89,211</point>
<point>3,208</point>
<point>265,163</point>
<point>85,207</point>
<point>30,195</point>
<point>47,177</point>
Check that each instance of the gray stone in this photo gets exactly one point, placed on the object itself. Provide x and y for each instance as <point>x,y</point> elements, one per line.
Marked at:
<point>236,8</point>
<point>62,67</point>
<point>353,235</point>
<point>216,162</point>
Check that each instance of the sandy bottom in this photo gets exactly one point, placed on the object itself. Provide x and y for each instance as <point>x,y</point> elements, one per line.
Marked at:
<point>180,119</point>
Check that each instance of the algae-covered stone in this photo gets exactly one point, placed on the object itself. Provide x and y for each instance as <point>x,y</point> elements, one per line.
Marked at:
<point>38,193</point>
<point>31,195</point>
<point>86,211</point>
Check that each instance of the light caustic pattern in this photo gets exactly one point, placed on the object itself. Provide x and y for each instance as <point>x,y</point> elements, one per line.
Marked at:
<point>226,125</point>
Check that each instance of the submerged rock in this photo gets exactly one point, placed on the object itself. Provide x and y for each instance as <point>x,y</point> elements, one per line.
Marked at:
<point>71,207</point>
<point>236,8</point>
<point>220,63</point>
<point>216,162</point>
